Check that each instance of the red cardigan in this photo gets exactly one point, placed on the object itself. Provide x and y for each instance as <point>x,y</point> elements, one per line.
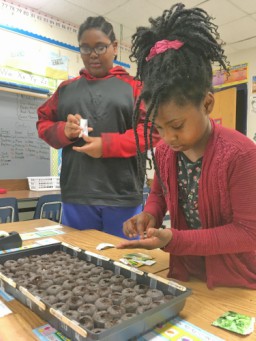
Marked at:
<point>223,251</point>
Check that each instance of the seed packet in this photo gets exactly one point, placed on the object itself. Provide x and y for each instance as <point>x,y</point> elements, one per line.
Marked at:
<point>235,322</point>
<point>137,259</point>
<point>131,262</point>
<point>137,256</point>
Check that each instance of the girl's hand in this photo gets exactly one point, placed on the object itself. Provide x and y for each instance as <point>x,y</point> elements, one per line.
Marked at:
<point>138,224</point>
<point>156,238</point>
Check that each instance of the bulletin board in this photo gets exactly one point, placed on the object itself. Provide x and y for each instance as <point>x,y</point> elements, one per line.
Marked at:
<point>22,153</point>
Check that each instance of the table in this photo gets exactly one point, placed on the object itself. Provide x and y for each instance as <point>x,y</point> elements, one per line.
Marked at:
<point>27,201</point>
<point>201,308</point>
<point>206,305</point>
<point>27,195</point>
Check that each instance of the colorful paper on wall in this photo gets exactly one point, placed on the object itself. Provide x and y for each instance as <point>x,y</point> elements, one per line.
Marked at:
<point>35,61</point>
<point>8,74</point>
<point>238,74</point>
<point>57,67</point>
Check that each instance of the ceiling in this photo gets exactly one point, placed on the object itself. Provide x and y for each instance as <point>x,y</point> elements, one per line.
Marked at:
<point>236,18</point>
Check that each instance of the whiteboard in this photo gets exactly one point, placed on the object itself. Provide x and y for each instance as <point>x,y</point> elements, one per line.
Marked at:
<point>22,153</point>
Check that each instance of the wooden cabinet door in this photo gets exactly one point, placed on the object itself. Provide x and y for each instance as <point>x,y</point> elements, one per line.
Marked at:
<point>224,111</point>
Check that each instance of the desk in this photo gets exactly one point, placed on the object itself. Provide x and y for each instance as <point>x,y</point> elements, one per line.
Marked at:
<point>25,200</point>
<point>27,195</point>
<point>205,305</point>
<point>19,189</point>
<point>30,225</point>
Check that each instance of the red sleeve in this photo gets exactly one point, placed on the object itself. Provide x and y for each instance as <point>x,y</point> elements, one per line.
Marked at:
<point>124,145</point>
<point>49,129</point>
<point>236,237</point>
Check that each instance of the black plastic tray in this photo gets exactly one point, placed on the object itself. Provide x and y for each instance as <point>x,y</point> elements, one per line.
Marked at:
<point>123,331</point>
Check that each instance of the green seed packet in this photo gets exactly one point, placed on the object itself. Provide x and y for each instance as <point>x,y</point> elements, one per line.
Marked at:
<point>131,262</point>
<point>235,322</point>
<point>138,256</point>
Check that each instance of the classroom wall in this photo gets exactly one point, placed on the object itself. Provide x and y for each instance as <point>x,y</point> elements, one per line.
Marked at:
<point>48,27</point>
<point>67,33</point>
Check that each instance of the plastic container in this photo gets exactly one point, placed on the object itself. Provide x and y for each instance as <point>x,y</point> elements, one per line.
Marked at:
<point>44,183</point>
<point>125,330</point>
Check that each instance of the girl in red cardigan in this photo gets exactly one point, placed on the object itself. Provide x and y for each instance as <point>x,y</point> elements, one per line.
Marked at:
<point>205,174</point>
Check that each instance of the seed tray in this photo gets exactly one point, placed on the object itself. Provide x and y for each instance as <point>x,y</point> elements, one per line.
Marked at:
<point>125,330</point>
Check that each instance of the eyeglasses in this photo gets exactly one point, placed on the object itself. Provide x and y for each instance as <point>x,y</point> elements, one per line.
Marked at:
<point>99,49</point>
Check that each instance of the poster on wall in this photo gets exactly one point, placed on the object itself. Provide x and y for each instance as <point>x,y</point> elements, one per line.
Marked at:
<point>31,57</point>
<point>253,104</point>
<point>237,74</point>
<point>254,84</point>
<point>57,67</point>
<point>22,78</point>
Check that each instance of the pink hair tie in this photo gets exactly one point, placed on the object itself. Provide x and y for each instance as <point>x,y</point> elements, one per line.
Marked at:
<point>162,46</point>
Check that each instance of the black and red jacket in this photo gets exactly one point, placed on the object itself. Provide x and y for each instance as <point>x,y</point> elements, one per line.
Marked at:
<point>108,104</point>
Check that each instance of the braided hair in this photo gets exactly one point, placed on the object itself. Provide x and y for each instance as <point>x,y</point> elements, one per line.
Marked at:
<point>183,75</point>
<point>99,23</point>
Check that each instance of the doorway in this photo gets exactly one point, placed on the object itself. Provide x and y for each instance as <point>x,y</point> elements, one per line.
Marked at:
<point>230,107</point>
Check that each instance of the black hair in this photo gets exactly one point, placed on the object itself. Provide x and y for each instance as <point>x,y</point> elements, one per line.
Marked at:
<point>183,75</point>
<point>99,23</point>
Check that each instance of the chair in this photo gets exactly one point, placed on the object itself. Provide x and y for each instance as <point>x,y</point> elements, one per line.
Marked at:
<point>49,207</point>
<point>8,210</point>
